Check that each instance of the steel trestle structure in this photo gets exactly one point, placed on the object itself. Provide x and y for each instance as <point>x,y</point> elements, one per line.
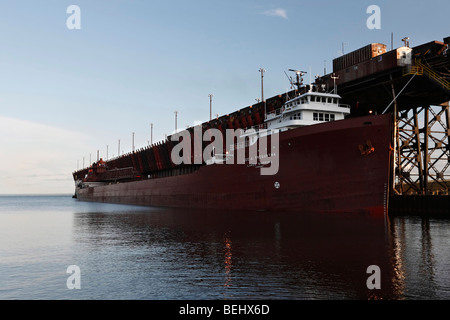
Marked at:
<point>422,152</point>
<point>413,84</point>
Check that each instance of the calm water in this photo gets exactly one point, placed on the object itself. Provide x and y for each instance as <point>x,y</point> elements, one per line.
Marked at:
<point>127,252</point>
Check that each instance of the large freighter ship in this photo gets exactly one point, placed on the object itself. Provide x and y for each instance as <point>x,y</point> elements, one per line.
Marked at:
<point>316,160</point>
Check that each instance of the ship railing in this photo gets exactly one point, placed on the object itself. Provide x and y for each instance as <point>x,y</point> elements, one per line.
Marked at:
<point>120,173</point>
<point>257,127</point>
<point>273,114</point>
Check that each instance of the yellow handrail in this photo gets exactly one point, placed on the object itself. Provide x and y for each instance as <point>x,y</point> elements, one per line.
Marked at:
<point>432,74</point>
<point>413,70</point>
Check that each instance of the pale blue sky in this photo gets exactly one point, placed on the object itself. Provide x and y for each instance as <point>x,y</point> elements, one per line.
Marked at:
<point>66,93</point>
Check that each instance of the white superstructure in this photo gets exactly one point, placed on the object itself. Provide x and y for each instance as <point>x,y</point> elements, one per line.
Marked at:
<point>308,109</point>
<point>312,107</point>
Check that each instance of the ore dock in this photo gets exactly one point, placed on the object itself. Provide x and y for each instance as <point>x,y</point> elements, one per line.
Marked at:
<point>414,85</point>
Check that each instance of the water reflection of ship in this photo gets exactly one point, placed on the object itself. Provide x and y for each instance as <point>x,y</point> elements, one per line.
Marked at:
<point>262,254</point>
<point>417,259</point>
<point>228,255</point>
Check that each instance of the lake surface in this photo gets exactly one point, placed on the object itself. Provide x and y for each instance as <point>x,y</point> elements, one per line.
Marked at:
<point>129,252</point>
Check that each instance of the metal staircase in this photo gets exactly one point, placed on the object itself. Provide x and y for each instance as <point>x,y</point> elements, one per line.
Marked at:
<point>420,69</point>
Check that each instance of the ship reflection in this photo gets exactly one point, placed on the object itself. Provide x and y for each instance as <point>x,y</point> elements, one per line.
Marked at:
<point>397,239</point>
<point>254,255</point>
<point>420,251</point>
<point>228,255</point>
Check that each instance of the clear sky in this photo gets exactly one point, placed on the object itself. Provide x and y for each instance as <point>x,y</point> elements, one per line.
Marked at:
<point>66,93</point>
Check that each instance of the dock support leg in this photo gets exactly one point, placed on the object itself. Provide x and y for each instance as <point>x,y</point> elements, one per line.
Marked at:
<point>426,157</point>
<point>418,148</point>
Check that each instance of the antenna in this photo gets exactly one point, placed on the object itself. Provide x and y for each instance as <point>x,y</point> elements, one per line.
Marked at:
<point>262,70</point>
<point>334,82</point>
<point>210,105</point>
<point>151,133</point>
<point>310,81</point>
<point>300,75</point>
<point>176,117</point>
<point>290,80</point>
<point>392,41</point>
<point>343,44</point>
<point>406,41</point>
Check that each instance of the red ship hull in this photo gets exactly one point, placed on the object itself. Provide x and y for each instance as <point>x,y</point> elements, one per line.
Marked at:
<point>322,168</point>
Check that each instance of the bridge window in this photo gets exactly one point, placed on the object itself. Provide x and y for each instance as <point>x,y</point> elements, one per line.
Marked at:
<point>322,116</point>
<point>296,116</point>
